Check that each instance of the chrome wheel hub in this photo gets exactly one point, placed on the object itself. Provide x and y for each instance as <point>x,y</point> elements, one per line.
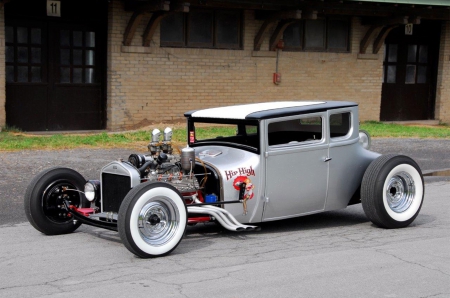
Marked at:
<point>400,192</point>
<point>158,221</point>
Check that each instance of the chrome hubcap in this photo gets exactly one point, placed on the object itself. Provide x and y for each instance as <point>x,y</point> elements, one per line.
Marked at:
<point>400,192</point>
<point>158,221</point>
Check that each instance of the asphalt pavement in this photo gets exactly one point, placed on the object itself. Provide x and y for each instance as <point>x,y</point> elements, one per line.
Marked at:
<point>333,254</point>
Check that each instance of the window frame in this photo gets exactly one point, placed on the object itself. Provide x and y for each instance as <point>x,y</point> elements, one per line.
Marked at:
<point>186,43</point>
<point>71,66</point>
<point>227,141</point>
<point>177,44</point>
<point>187,24</point>
<point>325,48</point>
<point>29,45</point>
<point>350,129</point>
<point>296,144</point>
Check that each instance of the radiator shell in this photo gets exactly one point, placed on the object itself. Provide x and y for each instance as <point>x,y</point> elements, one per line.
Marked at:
<point>116,180</point>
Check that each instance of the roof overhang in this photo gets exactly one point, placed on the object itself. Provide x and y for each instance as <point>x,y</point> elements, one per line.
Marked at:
<point>381,15</point>
<point>427,9</point>
<point>412,2</point>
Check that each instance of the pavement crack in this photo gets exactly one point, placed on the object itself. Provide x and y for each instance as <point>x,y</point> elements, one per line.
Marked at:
<point>411,262</point>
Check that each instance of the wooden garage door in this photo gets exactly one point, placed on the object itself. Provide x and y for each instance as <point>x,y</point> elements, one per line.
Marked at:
<point>410,72</point>
<point>55,71</point>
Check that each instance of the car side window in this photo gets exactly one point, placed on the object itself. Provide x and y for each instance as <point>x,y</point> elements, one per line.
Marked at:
<point>340,124</point>
<point>295,131</point>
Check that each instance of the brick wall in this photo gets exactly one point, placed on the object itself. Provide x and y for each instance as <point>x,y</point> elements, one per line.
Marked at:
<point>2,68</point>
<point>442,88</point>
<point>151,85</point>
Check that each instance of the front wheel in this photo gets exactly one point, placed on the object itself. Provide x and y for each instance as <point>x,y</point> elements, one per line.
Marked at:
<point>152,219</point>
<point>392,191</point>
<point>44,200</point>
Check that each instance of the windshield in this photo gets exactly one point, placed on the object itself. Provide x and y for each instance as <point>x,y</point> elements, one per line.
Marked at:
<point>224,132</point>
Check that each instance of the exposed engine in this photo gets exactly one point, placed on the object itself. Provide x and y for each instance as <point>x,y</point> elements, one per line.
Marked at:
<point>182,171</point>
<point>172,169</point>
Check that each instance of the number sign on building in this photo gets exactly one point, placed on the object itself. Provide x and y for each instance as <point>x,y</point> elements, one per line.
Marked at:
<point>409,29</point>
<point>53,8</point>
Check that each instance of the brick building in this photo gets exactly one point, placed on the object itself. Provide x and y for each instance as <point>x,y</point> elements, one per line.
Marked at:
<point>120,64</point>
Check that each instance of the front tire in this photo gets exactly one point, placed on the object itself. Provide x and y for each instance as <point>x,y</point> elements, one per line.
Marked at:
<point>392,191</point>
<point>152,219</point>
<point>44,197</point>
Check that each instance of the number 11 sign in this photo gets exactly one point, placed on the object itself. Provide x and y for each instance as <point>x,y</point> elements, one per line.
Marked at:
<point>53,8</point>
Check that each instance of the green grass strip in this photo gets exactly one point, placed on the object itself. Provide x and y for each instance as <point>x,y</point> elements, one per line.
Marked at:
<point>14,141</point>
<point>386,130</point>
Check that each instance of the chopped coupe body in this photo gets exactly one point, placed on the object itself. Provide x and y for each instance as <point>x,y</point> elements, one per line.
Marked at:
<point>303,158</point>
<point>255,162</point>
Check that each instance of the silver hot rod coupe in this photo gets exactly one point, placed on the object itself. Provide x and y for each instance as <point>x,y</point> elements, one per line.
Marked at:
<point>259,162</point>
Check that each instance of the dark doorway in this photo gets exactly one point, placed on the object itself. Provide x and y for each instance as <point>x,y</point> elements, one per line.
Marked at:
<point>410,73</point>
<point>56,66</point>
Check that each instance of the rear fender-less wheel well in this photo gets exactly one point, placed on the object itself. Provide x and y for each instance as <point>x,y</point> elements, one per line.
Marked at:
<point>392,191</point>
<point>356,198</point>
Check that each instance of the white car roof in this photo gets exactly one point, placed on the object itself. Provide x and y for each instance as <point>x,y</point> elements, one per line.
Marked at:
<point>265,110</point>
<point>242,111</point>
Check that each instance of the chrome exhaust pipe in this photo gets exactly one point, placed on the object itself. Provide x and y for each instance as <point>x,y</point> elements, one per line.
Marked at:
<point>232,218</point>
<point>225,218</point>
<point>225,223</point>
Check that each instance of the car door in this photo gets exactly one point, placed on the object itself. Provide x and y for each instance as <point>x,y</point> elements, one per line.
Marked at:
<point>296,166</point>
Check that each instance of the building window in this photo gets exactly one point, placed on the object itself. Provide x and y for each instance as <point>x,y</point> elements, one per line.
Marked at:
<point>77,57</point>
<point>201,28</point>
<point>23,54</point>
<point>323,35</point>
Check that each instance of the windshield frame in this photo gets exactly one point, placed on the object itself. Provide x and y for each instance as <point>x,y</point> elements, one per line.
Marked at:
<point>242,140</point>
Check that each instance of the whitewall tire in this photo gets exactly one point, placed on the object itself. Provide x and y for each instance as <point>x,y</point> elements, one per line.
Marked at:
<point>152,219</point>
<point>392,191</point>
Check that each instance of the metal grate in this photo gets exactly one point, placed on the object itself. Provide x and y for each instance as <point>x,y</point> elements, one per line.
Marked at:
<point>114,190</point>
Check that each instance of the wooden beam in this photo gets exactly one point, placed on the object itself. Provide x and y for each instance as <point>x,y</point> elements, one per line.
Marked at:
<point>282,25</point>
<point>294,14</point>
<point>260,35</point>
<point>155,20</point>
<point>278,33</point>
<point>135,19</point>
<point>133,23</point>
<point>373,29</point>
<point>379,41</point>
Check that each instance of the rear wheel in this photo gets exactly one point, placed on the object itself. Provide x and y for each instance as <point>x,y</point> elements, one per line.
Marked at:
<point>44,200</point>
<point>152,219</point>
<point>392,191</point>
